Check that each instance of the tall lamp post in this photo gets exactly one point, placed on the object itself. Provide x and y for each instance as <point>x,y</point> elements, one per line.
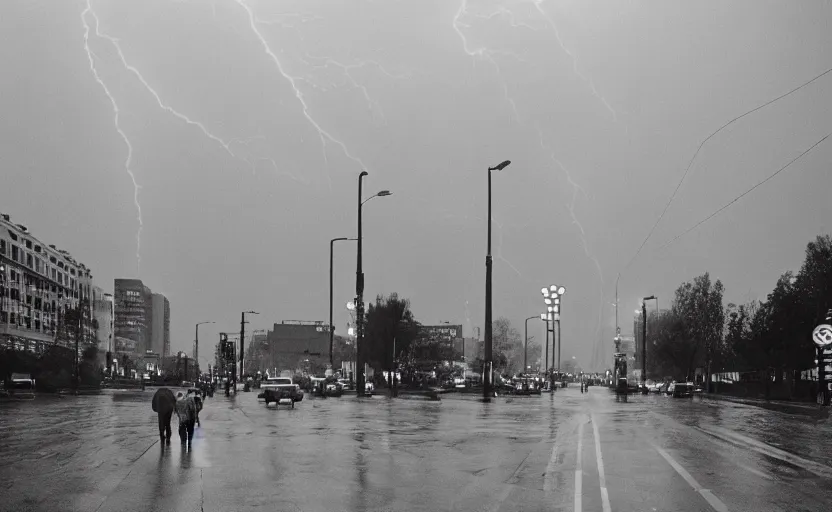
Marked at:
<point>359,291</point>
<point>488,370</point>
<point>331,328</point>
<point>243,341</point>
<point>196,340</point>
<point>526,346</point>
<point>644,339</point>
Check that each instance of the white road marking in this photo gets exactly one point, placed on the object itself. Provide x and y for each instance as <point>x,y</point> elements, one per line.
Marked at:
<point>495,505</point>
<point>712,500</point>
<point>734,438</point>
<point>605,496</point>
<point>579,471</point>
<point>549,478</point>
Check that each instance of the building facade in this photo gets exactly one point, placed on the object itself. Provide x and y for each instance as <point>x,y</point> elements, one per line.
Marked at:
<point>39,286</point>
<point>160,330</point>
<point>292,345</point>
<point>133,306</point>
<point>103,312</point>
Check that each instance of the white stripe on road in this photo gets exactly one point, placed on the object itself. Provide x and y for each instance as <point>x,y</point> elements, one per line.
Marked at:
<point>605,496</point>
<point>758,446</point>
<point>712,500</point>
<point>579,471</point>
<point>549,479</point>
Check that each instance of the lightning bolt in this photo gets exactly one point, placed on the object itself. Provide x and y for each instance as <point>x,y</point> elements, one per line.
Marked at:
<point>293,82</point>
<point>538,4</point>
<point>152,91</point>
<point>576,190</point>
<point>372,104</point>
<point>116,112</point>
<point>482,52</point>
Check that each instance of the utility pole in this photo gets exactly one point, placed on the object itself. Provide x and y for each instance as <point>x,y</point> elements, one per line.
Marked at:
<point>644,343</point>
<point>488,371</point>
<point>546,355</point>
<point>359,306</point>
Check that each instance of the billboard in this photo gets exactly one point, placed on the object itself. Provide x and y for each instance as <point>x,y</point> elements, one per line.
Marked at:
<point>444,333</point>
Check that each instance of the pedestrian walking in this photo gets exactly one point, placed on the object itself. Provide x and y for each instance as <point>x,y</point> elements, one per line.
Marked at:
<point>164,404</point>
<point>186,411</point>
<point>197,398</point>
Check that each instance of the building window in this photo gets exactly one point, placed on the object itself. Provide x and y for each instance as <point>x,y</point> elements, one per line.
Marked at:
<point>15,251</point>
<point>28,244</point>
<point>30,261</point>
<point>3,247</point>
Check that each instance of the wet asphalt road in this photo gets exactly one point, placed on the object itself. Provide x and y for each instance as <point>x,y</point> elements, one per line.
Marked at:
<point>570,451</point>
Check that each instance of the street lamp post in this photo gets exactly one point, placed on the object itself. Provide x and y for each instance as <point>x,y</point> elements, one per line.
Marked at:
<point>359,291</point>
<point>242,342</point>
<point>644,340</point>
<point>196,340</point>
<point>331,328</point>
<point>487,371</point>
<point>526,347</point>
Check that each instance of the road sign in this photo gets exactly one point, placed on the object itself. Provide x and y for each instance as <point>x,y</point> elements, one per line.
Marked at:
<point>822,335</point>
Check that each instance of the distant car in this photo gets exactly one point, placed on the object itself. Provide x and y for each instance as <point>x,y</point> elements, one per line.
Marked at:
<point>346,385</point>
<point>281,390</point>
<point>683,390</point>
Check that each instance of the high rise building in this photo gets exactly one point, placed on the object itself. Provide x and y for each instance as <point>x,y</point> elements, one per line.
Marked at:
<point>160,331</point>
<point>133,319</point>
<point>103,312</point>
<point>38,285</point>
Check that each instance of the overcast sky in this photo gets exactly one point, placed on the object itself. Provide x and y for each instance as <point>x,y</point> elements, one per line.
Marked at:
<point>247,124</point>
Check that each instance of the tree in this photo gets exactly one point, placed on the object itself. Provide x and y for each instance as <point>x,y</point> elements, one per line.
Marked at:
<point>389,322</point>
<point>699,306</point>
<point>671,353</point>
<point>507,347</point>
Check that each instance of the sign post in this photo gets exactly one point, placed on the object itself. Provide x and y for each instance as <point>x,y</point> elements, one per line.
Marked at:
<point>822,337</point>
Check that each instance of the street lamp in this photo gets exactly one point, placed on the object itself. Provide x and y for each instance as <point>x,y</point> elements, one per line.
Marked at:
<point>644,340</point>
<point>331,328</point>
<point>359,289</point>
<point>526,348</point>
<point>487,373</point>
<point>196,341</point>
<point>242,344</point>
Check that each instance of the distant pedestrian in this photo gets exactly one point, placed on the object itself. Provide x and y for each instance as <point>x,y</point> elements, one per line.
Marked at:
<point>164,404</point>
<point>197,398</point>
<point>186,410</point>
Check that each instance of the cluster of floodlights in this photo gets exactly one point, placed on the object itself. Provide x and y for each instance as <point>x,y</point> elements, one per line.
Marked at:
<point>551,297</point>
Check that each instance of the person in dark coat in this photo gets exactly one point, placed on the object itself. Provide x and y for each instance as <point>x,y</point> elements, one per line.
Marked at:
<point>164,403</point>
<point>186,410</point>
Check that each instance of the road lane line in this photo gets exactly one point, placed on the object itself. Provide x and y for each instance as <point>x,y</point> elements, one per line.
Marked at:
<point>605,496</point>
<point>579,471</point>
<point>549,479</point>
<point>735,439</point>
<point>712,500</point>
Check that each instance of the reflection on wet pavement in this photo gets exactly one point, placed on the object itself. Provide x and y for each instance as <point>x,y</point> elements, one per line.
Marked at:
<point>102,453</point>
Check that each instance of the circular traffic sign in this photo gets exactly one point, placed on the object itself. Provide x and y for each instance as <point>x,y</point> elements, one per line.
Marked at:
<point>822,335</point>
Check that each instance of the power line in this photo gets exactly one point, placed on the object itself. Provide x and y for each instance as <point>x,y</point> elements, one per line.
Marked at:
<point>706,219</point>
<point>701,144</point>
